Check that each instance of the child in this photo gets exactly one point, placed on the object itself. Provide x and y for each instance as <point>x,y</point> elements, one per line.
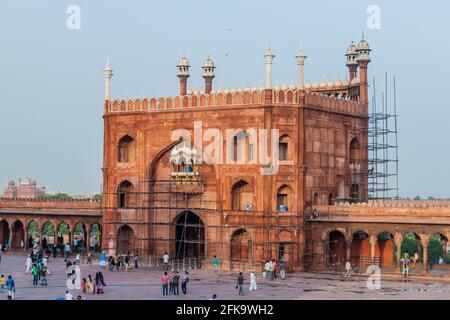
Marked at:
<point>2,284</point>
<point>83,285</point>
<point>100,289</point>
<point>44,276</point>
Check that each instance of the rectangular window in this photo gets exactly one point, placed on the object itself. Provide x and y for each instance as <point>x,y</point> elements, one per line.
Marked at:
<point>283,151</point>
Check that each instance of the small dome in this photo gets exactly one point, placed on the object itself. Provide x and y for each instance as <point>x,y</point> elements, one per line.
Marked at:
<point>338,83</point>
<point>208,63</point>
<point>11,183</point>
<point>315,85</point>
<point>323,84</point>
<point>183,62</point>
<point>351,49</point>
<point>363,45</point>
<point>355,80</point>
<point>330,84</point>
<point>307,86</point>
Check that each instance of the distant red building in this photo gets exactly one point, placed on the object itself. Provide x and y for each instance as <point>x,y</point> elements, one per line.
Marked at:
<point>25,189</point>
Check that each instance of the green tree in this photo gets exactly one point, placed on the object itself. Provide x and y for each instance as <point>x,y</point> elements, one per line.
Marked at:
<point>58,196</point>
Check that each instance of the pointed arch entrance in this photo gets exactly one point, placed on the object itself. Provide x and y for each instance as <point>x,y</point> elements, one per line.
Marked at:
<point>189,235</point>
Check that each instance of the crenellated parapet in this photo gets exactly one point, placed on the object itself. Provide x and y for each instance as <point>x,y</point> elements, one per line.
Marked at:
<point>235,97</point>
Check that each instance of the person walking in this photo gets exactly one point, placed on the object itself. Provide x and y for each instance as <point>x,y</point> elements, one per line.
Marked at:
<point>11,286</point>
<point>282,270</point>
<point>215,262</point>
<point>184,282</point>
<point>77,259</point>
<point>44,276</point>
<point>274,268</point>
<point>28,264</point>
<point>405,269</point>
<point>348,269</point>
<point>165,261</point>
<point>136,261</point>
<point>2,284</point>
<point>165,282</point>
<point>240,284</point>
<point>83,285</point>
<point>89,285</point>
<point>102,259</point>
<point>68,296</point>
<point>253,285</point>
<point>66,251</point>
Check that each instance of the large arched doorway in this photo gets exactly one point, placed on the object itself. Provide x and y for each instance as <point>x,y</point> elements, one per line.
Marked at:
<point>63,234</point>
<point>360,249</point>
<point>48,234</point>
<point>189,235</point>
<point>79,237</point>
<point>336,245</point>
<point>18,235</point>
<point>95,237</point>
<point>385,249</point>
<point>4,233</point>
<point>33,233</point>
<point>125,239</point>
<point>239,245</point>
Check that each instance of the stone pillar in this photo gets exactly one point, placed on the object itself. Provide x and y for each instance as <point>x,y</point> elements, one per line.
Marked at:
<point>300,63</point>
<point>87,239</point>
<point>373,247</point>
<point>10,240</point>
<point>444,249</point>
<point>268,58</point>
<point>107,74</point>
<point>25,241</point>
<point>398,238</point>
<point>348,244</point>
<point>424,241</point>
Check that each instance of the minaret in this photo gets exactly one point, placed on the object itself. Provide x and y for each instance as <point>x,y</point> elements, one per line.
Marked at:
<point>208,74</point>
<point>268,58</point>
<point>183,73</point>
<point>300,63</point>
<point>363,60</point>
<point>107,74</point>
<point>351,63</point>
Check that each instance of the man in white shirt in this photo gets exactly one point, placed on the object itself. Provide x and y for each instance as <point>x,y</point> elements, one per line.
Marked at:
<point>68,296</point>
<point>348,269</point>
<point>166,261</point>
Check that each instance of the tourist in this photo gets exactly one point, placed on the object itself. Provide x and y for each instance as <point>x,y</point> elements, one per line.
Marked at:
<point>83,285</point>
<point>110,263</point>
<point>45,264</point>
<point>165,281</point>
<point>66,251</point>
<point>54,252</point>
<point>102,259</point>
<point>136,261</point>
<point>99,279</point>
<point>68,296</point>
<point>127,261</point>
<point>43,275</point>
<point>28,264</point>
<point>268,267</point>
<point>253,285</point>
<point>405,269</point>
<point>282,269</point>
<point>77,259</point>
<point>89,258</point>
<point>171,281</point>
<point>441,260</point>
<point>348,269</point>
<point>215,262</point>
<point>117,262</point>
<point>415,259</point>
<point>274,268</point>
<point>75,244</point>
<point>2,284</point>
<point>11,286</point>
<point>89,285</point>
<point>240,284</point>
<point>35,273</point>
<point>176,283</point>
<point>165,261</point>
<point>184,282</point>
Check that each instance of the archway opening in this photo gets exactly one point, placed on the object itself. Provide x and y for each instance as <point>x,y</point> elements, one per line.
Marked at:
<point>385,250</point>
<point>126,195</point>
<point>95,237</point>
<point>239,245</point>
<point>242,196</point>
<point>33,233</point>
<point>79,237</point>
<point>360,249</point>
<point>4,233</point>
<point>336,245</point>
<point>125,240</point>
<point>189,236</point>
<point>48,235</point>
<point>18,235</point>
<point>437,250</point>
<point>412,248</point>
<point>63,235</point>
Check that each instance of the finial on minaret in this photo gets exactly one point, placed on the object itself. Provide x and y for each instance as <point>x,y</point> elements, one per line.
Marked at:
<point>268,58</point>
<point>300,63</point>
<point>208,74</point>
<point>183,73</point>
<point>107,74</point>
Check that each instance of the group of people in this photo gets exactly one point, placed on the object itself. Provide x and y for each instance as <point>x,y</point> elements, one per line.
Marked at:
<point>90,287</point>
<point>37,264</point>
<point>7,284</point>
<point>119,263</point>
<point>272,267</point>
<point>171,282</point>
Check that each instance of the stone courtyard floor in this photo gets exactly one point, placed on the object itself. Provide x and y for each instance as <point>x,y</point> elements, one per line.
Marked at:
<point>145,284</point>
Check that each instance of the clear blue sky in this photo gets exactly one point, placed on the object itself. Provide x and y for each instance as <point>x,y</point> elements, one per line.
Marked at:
<point>51,84</point>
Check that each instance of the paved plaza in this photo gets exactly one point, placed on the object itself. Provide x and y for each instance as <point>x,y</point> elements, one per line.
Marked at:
<point>145,284</point>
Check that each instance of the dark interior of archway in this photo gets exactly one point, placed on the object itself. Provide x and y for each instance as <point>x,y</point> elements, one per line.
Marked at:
<point>18,235</point>
<point>125,241</point>
<point>4,232</point>
<point>336,246</point>
<point>190,236</point>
